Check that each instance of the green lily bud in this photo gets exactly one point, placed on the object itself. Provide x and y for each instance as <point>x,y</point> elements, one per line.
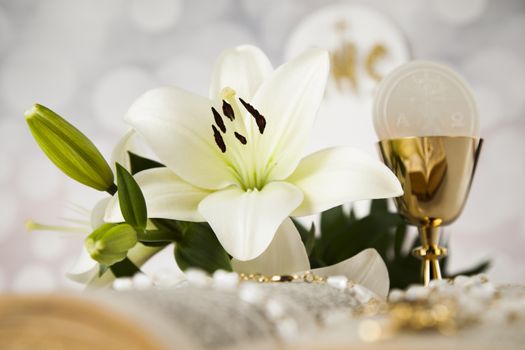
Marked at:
<point>110,243</point>
<point>69,149</point>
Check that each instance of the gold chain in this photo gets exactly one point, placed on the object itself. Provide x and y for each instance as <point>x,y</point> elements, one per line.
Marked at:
<point>307,277</point>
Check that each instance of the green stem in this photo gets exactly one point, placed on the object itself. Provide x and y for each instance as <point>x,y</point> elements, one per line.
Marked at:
<point>159,236</point>
<point>124,268</point>
<point>112,189</point>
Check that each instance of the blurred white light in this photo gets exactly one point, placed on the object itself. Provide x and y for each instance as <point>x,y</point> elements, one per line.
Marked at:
<point>205,10</point>
<point>115,92</point>
<point>188,72</point>
<point>257,8</point>
<point>6,168</point>
<point>209,41</point>
<point>504,72</point>
<point>34,278</point>
<point>36,74</point>
<point>5,29</point>
<point>459,12</point>
<point>8,213</point>
<point>13,136</point>
<point>47,245</point>
<point>38,178</point>
<point>277,22</point>
<point>155,15</point>
<point>522,228</point>
<point>498,182</point>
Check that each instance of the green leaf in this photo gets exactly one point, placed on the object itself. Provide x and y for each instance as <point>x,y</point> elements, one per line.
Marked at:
<point>332,222</point>
<point>200,248</point>
<point>474,270</point>
<point>174,227</point>
<point>131,199</point>
<point>139,163</point>
<point>344,236</point>
<point>69,149</point>
<point>124,268</point>
<point>379,206</point>
<point>157,236</point>
<point>368,232</point>
<point>307,236</point>
<point>399,238</point>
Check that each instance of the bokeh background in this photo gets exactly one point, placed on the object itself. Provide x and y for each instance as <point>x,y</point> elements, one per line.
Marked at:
<point>89,59</point>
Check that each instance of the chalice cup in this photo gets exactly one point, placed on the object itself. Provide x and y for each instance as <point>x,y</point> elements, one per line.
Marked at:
<point>436,173</point>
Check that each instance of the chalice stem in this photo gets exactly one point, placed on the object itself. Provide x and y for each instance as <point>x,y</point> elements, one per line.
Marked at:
<point>429,252</point>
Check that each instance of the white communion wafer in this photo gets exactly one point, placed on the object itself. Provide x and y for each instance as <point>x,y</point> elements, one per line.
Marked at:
<point>422,98</point>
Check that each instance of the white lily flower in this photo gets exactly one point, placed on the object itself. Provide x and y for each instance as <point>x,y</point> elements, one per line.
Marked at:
<point>286,255</point>
<point>234,159</point>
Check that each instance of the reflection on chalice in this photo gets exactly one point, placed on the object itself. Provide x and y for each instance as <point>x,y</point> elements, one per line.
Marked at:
<point>427,121</point>
<point>436,173</point>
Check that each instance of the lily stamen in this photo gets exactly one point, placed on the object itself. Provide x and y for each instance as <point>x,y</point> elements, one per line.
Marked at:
<point>218,120</point>
<point>31,225</point>
<point>228,110</point>
<point>218,139</point>
<point>259,118</point>
<point>241,138</point>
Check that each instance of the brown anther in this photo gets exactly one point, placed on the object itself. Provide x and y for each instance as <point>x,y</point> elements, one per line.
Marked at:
<point>218,120</point>
<point>218,139</point>
<point>241,138</point>
<point>259,118</point>
<point>228,110</point>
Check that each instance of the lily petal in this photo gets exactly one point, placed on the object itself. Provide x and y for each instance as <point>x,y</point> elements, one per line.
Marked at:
<point>85,269</point>
<point>167,196</point>
<point>339,175</point>
<point>285,255</point>
<point>242,68</point>
<point>120,152</point>
<point>178,127</point>
<point>245,222</point>
<point>289,100</point>
<point>98,212</point>
<point>366,268</point>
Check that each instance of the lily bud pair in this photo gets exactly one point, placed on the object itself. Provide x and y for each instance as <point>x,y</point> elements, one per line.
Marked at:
<point>69,149</point>
<point>110,243</point>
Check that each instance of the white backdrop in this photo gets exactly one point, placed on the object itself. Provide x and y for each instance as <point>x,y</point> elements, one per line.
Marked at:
<point>88,60</point>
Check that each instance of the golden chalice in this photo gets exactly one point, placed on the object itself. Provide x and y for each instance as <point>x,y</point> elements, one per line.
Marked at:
<point>436,173</point>
<point>426,118</point>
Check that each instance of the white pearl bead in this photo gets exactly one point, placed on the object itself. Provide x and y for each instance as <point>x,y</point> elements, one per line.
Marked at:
<point>197,277</point>
<point>122,284</point>
<point>225,280</point>
<point>437,284</point>
<point>339,282</point>
<point>142,282</point>
<point>165,279</point>
<point>416,292</point>
<point>396,295</point>
<point>362,294</point>
<point>251,293</point>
